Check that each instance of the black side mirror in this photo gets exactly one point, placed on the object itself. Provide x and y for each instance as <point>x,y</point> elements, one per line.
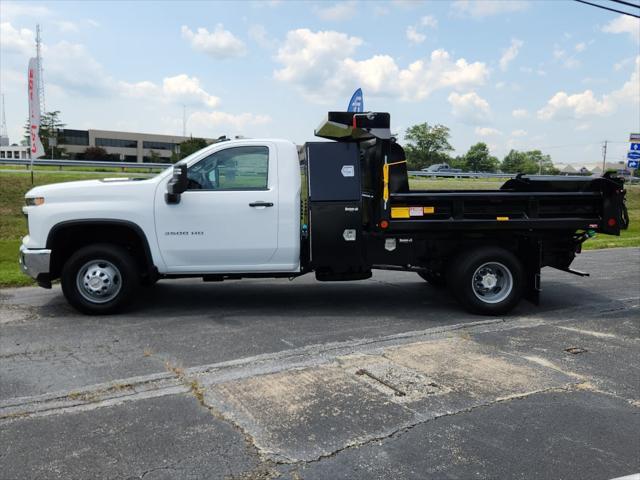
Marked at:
<point>178,183</point>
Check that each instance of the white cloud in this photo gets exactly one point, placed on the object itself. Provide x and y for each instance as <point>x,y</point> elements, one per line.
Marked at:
<point>66,26</point>
<point>585,104</point>
<point>413,33</point>
<point>578,105</point>
<point>486,8</point>
<point>322,66</point>
<point>520,113</point>
<point>220,43</point>
<point>71,67</point>
<point>179,89</point>
<point>623,63</point>
<point>510,53</point>
<point>487,132</point>
<point>519,133</point>
<point>337,12</point>
<point>259,34</point>
<point>16,40</point>
<point>414,36</point>
<point>583,127</point>
<point>429,21</point>
<point>217,119</point>
<point>624,24</point>
<point>580,47</point>
<point>567,61</point>
<point>469,108</point>
<point>13,10</point>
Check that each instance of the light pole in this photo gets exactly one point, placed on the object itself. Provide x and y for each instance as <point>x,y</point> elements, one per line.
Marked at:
<point>53,140</point>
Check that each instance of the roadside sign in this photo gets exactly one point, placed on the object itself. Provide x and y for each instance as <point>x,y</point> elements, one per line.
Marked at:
<point>634,147</point>
<point>634,137</point>
<point>633,163</point>
<point>633,155</point>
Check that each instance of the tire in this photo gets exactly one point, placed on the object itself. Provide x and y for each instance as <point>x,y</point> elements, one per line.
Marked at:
<point>99,279</point>
<point>487,280</point>
<point>435,279</point>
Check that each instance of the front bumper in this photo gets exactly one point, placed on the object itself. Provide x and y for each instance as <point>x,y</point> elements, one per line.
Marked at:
<point>35,263</point>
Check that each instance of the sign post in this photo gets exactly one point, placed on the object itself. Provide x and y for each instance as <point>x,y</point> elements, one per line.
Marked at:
<point>633,155</point>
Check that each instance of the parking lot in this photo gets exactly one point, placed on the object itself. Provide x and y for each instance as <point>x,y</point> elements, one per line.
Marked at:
<point>383,378</point>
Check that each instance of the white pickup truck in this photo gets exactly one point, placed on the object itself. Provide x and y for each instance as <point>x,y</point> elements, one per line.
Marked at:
<point>267,208</point>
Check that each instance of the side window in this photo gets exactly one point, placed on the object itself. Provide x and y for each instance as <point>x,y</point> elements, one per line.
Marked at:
<point>237,168</point>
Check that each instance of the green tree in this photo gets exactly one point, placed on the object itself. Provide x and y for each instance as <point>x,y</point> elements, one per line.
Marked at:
<point>188,147</point>
<point>479,159</point>
<point>427,145</point>
<point>50,126</point>
<point>517,162</point>
<point>95,153</point>
<point>533,161</point>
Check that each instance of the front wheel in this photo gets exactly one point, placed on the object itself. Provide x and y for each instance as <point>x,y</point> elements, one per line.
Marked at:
<point>488,280</point>
<point>99,279</point>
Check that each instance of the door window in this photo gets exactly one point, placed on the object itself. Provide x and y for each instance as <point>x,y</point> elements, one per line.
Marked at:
<point>237,168</point>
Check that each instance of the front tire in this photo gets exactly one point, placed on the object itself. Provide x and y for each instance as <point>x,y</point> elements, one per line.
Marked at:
<point>487,280</point>
<point>99,279</point>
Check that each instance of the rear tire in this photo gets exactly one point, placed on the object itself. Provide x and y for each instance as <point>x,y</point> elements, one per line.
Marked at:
<point>99,279</point>
<point>487,280</point>
<point>435,279</point>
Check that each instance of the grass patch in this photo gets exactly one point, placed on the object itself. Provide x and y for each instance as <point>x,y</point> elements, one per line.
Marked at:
<point>629,237</point>
<point>13,227</point>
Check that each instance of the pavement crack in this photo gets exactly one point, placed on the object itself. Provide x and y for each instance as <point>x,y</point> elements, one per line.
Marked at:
<point>197,390</point>
<point>407,427</point>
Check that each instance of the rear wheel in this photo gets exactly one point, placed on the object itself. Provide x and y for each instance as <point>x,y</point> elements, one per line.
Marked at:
<point>99,279</point>
<point>487,280</point>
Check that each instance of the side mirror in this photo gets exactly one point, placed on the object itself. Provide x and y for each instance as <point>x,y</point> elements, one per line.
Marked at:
<point>178,183</point>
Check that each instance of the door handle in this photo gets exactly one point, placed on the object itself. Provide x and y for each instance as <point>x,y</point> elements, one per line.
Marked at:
<point>261,204</point>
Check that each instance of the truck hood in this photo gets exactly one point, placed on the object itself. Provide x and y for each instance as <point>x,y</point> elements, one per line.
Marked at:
<point>90,189</point>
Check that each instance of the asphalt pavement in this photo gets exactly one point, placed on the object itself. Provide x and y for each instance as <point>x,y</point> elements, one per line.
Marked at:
<point>382,378</point>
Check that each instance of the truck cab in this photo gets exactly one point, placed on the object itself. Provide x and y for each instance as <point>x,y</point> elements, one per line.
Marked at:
<point>338,208</point>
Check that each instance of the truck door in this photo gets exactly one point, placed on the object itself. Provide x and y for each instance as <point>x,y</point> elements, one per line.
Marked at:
<point>227,220</point>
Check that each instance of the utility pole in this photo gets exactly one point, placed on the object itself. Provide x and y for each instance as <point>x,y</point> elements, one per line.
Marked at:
<point>4,136</point>
<point>184,120</point>
<point>604,157</point>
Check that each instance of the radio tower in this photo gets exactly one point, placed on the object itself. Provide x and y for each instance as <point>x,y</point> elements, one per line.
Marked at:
<point>4,137</point>
<point>40,74</point>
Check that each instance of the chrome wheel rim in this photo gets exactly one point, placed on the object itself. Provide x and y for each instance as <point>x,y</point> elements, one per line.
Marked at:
<point>492,282</point>
<point>99,281</point>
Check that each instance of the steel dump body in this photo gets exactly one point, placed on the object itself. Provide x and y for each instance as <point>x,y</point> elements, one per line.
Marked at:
<point>380,223</point>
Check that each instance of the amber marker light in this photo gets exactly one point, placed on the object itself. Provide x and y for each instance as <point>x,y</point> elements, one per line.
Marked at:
<point>34,201</point>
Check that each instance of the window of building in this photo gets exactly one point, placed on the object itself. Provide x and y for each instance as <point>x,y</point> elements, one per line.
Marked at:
<point>116,142</point>
<point>75,137</point>
<point>239,168</point>
<point>9,154</point>
<point>1,154</point>
<point>159,145</point>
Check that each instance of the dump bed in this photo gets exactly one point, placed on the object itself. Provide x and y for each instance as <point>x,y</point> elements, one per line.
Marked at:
<point>526,202</point>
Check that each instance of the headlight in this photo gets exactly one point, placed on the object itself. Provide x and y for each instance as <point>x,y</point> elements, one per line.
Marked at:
<point>34,201</point>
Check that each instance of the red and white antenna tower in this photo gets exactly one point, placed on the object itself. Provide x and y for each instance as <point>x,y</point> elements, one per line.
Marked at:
<point>40,74</point>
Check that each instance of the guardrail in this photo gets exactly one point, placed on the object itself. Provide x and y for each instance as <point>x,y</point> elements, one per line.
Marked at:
<point>84,163</point>
<point>421,173</point>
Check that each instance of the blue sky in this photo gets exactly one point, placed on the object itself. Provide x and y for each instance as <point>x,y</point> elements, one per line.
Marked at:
<point>555,75</point>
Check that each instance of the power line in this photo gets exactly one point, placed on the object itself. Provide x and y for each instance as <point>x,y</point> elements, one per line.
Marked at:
<point>608,8</point>
<point>634,5</point>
